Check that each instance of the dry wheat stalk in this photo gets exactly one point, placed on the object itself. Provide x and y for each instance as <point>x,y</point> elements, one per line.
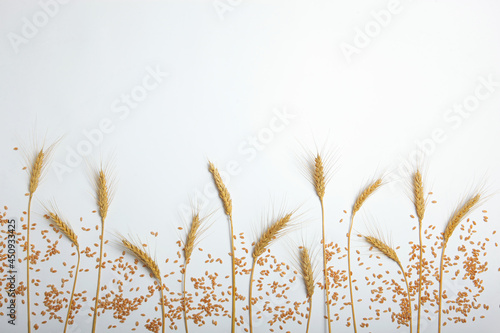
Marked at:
<point>319,177</point>
<point>228,209</point>
<point>38,166</point>
<point>140,252</point>
<point>104,193</point>
<point>191,240</point>
<point>460,213</point>
<point>419,203</point>
<point>66,229</point>
<point>273,232</point>
<point>390,253</point>
<point>367,192</point>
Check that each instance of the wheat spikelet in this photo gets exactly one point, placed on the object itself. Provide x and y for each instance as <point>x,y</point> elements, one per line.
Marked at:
<point>418,195</point>
<point>221,188</point>
<point>141,254</point>
<point>459,214</point>
<point>365,194</point>
<point>307,271</point>
<point>103,194</point>
<point>319,180</point>
<point>36,171</point>
<point>192,236</point>
<point>64,227</point>
<point>379,244</point>
<point>274,231</point>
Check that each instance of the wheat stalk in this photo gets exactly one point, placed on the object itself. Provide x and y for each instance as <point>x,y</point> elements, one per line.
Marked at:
<point>104,194</point>
<point>273,232</point>
<point>419,203</point>
<point>390,253</point>
<point>228,209</point>
<point>191,241</point>
<point>66,229</point>
<point>319,177</point>
<point>139,251</point>
<point>38,166</point>
<point>360,200</point>
<point>460,213</point>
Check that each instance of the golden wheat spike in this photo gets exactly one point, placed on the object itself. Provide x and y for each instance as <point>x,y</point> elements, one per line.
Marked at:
<point>221,188</point>
<point>307,271</point>
<point>64,227</point>
<point>274,231</point>
<point>103,194</point>
<point>418,195</point>
<point>142,255</point>
<point>192,236</point>
<point>459,215</point>
<point>36,171</point>
<point>365,194</point>
<point>383,247</point>
<point>319,177</point>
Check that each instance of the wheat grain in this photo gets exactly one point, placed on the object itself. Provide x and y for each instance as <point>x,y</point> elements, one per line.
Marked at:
<point>192,236</point>
<point>418,195</point>
<point>103,194</point>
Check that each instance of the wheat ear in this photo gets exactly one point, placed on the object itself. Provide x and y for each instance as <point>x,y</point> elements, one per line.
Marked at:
<point>66,229</point>
<point>38,166</point>
<point>139,251</point>
<point>228,209</point>
<point>103,188</point>
<point>419,202</point>
<point>191,240</point>
<point>459,214</point>
<point>306,270</point>
<point>390,253</point>
<point>360,200</point>
<point>273,232</point>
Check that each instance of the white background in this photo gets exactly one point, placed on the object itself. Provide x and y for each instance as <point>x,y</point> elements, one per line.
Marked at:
<point>231,66</point>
